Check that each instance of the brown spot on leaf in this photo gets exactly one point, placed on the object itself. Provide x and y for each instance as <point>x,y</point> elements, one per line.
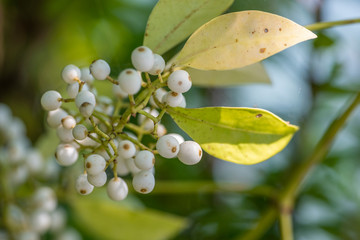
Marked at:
<point>173,149</point>
<point>253,32</point>
<point>88,165</point>
<point>285,44</point>
<point>141,49</point>
<point>82,191</point>
<point>236,40</point>
<point>126,146</point>
<point>146,34</point>
<point>280,29</point>
<point>266,30</point>
<point>143,190</point>
<point>259,115</point>
<point>262,50</point>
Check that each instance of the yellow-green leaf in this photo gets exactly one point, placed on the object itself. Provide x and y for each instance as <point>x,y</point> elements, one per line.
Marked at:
<point>254,73</point>
<point>105,219</point>
<point>171,22</point>
<point>239,135</point>
<point>239,39</point>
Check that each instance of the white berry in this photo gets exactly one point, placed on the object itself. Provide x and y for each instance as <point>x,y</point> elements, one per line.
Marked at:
<point>145,160</point>
<point>130,163</point>
<point>173,99</point>
<point>85,96</point>
<point>97,180</point>
<point>161,130</point>
<point>80,132</point>
<point>86,109</point>
<point>144,182</point>
<point>50,100</point>
<point>94,164</point>
<point>190,153</point>
<point>130,81</point>
<point>178,137</point>
<point>119,92</point>
<point>83,186</point>
<point>86,75</point>
<point>40,221</point>
<point>159,65</point>
<point>66,154</point>
<point>167,146</point>
<point>71,73</point>
<point>65,135</point>
<point>126,149</point>
<point>68,122</point>
<point>121,167</point>
<point>117,189</point>
<point>72,89</point>
<point>142,59</point>
<point>159,94</point>
<point>100,69</point>
<point>179,81</point>
<point>54,117</point>
<point>45,199</point>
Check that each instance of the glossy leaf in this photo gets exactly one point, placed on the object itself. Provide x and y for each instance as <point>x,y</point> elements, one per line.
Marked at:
<point>239,39</point>
<point>105,219</point>
<point>254,73</point>
<point>239,135</point>
<point>171,22</point>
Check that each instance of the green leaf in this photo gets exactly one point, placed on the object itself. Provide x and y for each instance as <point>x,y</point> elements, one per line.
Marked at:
<point>105,219</point>
<point>171,22</point>
<point>239,39</point>
<point>254,73</point>
<point>239,135</point>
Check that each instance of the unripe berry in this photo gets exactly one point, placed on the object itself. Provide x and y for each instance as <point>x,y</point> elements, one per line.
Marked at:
<point>70,73</point>
<point>126,149</point>
<point>183,102</point>
<point>66,154</point>
<point>34,161</point>
<point>50,100</point>
<point>142,59</point>
<point>85,96</point>
<point>80,132</point>
<point>130,81</point>
<point>65,135</point>
<point>58,220</point>
<point>144,182</point>
<point>159,65</point>
<point>83,186</point>
<point>179,81</point>
<point>54,117</point>
<point>119,92</point>
<point>100,69</point>
<point>97,180</point>
<point>68,122</point>
<point>95,164</point>
<point>167,146</point>
<point>190,153</point>
<point>121,167</point>
<point>117,189</point>
<point>159,94</point>
<point>145,160</point>
<point>72,89</point>
<point>86,75</point>
<point>173,99</point>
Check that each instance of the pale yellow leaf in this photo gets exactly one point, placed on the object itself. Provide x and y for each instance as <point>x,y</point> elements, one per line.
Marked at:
<point>239,39</point>
<point>254,73</point>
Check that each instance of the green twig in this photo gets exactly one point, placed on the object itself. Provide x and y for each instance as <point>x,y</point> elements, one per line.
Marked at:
<point>324,25</point>
<point>286,226</point>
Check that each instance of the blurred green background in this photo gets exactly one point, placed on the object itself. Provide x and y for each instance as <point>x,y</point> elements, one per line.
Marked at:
<point>310,84</point>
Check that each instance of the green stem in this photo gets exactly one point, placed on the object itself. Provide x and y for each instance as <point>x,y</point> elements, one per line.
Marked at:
<point>286,226</point>
<point>101,119</point>
<point>142,146</point>
<point>325,25</point>
<point>97,129</point>
<point>110,79</point>
<point>148,115</point>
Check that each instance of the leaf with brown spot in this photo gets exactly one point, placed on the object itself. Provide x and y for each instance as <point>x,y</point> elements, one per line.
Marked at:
<point>171,22</point>
<point>213,46</point>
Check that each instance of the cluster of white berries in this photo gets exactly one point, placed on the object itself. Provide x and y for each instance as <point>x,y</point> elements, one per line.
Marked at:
<point>101,129</point>
<point>32,214</point>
